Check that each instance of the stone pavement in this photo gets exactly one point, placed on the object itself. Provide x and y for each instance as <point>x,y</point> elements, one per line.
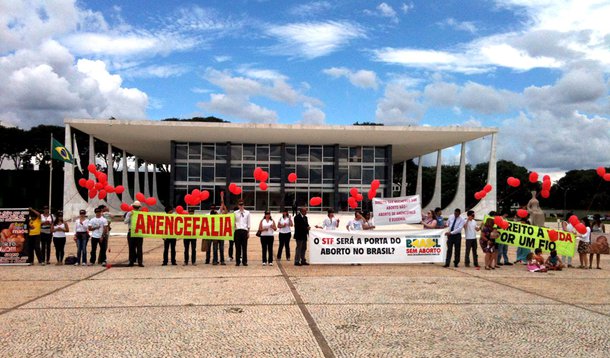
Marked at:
<point>419,310</point>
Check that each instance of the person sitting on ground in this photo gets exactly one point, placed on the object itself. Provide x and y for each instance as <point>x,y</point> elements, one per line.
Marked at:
<point>538,256</point>
<point>553,262</point>
<point>533,265</point>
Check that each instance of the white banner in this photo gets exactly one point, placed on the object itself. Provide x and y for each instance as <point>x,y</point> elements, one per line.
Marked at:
<point>393,211</point>
<point>377,246</point>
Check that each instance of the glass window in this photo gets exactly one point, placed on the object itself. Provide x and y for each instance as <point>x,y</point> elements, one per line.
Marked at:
<point>290,153</point>
<point>195,171</point>
<point>236,152</point>
<point>207,173</point>
<point>275,152</point>
<point>368,174</point>
<point>194,150</point>
<point>181,172</point>
<point>315,175</point>
<point>328,172</point>
<point>275,200</point>
<point>302,172</point>
<point>342,175</point>
<point>248,173</point>
<point>248,152</point>
<point>355,172</point>
<point>236,174</point>
<point>355,154</point>
<point>221,151</point>
<point>315,154</point>
<point>181,150</point>
<point>329,153</point>
<point>207,152</point>
<point>343,154</point>
<point>262,200</point>
<point>380,172</point>
<point>380,152</point>
<point>221,171</point>
<point>368,154</point>
<point>303,153</point>
<point>275,173</point>
<point>262,152</point>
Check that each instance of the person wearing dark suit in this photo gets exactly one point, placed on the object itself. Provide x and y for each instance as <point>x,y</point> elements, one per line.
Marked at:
<point>301,232</point>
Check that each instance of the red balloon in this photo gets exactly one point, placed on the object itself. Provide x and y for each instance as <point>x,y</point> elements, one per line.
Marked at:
<point>90,184</point>
<point>140,197</point>
<point>533,177</point>
<point>504,225</point>
<point>101,194</point>
<point>188,199</point>
<point>196,192</point>
<point>257,173</point>
<point>109,189</point>
<point>545,194</point>
<point>232,187</point>
<point>179,209</point>
<point>522,213</point>
<point>236,190</point>
<point>353,192</point>
<point>553,235</point>
<point>514,182</point>
<point>581,228</point>
<point>487,188</point>
<point>351,201</point>
<point>144,209</point>
<point>102,177</point>
<point>601,171</point>
<point>263,176</point>
<point>151,201</point>
<point>124,206</point>
<point>478,195</point>
<point>573,220</point>
<point>204,195</point>
<point>315,201</point>
<point>92,193</point>
<point>607,177</point>
<point>195,200</point>
<point>91,168</point>
<point>372,193</point>
<point>82,182</point>
<point>359,197</point>
<point>546,178</point>
<point>375,184</point>
<point>498,220</point>
<point>98,186</point>
<point>263,186</point>
<point>546,185</point>
<point>119,189</point>
<point>292,177</point>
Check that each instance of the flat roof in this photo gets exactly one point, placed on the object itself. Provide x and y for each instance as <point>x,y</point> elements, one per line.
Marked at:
<point>150,139</point>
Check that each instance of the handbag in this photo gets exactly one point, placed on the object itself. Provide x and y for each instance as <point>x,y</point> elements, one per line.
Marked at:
<point>258,233</point>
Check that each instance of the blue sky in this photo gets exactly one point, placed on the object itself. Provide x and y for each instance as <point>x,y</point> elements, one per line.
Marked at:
<point>537,70</point>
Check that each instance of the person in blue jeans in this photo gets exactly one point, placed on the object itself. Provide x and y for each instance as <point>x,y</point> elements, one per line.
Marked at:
<point>81,236</point>
<point>503,250</point>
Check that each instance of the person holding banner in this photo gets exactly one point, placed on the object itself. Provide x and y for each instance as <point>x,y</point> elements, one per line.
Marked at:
<point>266,227</point>
<point>193,245</point>
<point>46,219</point>
<point>330,222</point>
<point>566,226</point>
<point>81,236</point>
<point>169,243</point>
<point>584,244</point>
<point>219,245</point>
<point>358,223</point>
<point>242,231</point>
<point>59,230</point>
<point>284,224</point>
<point>208,243</point>
<point>454,237</point>
<point>301,232</point>
<point>135,243</point>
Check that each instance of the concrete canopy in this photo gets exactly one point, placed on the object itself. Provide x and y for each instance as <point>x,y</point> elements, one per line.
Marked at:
<point>150,140</point>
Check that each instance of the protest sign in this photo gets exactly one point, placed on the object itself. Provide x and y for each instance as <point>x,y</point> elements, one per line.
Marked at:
<point>393,211</point>
<point>13,231</point>
<point>379,247</point>
<point>599,243</point>
<point>533,237</point>
<point>162,226</point>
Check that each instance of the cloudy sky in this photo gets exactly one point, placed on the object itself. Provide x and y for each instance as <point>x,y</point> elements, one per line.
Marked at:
<point>536,69</point>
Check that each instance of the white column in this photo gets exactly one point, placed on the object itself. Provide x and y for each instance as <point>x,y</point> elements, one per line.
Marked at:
<point>114,203</point>
<point>136,177</point>
<point>403,184</point>
<point>73,201</point>
<point>95,202</point>
<point>146,186</point>
<point>418,185</point>
<point>436,197</point>
<point>459,200</point>
<point>126,196</point>
<point>489,203</point>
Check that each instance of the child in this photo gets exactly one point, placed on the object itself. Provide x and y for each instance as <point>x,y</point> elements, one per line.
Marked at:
<point>533,265</point>
<point>538,256</point>
<point>553,262</point>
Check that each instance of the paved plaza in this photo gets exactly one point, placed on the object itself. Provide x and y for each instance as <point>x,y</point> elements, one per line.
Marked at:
<point>420,310</point>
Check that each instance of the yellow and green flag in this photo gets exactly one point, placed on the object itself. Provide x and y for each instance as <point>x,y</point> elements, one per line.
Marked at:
<point>60,152</point>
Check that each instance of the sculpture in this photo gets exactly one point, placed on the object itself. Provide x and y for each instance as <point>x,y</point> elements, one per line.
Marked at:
<point>536,214</point>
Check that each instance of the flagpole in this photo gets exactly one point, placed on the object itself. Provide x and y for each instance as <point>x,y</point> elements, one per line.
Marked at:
<point>50,172</point>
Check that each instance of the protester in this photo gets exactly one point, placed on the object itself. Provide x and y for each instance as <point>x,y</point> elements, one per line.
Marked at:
<point>470,231</point>
<point>169,243</point>
<point>438,222</point>
<point>192,243</point>
<point>81,236</point>
<point>98,227</point>
<point>46,221</point>
<point>454,237</point>
<point>369,221</point>
<point>584,244</point>
<point>219,245</point>
<point>429,221</point>
<point>59,230</point>
<point>284,224</point>
<point>522,251</point>
<point>596,227</point>
<point>538,256</point>
<point>242,231</point>
<point>566,226</point>
<point>267,227</point>
<point>301,232</point>
<point>487,243</point>
<point>553,262</point>
<point>357,223</point>
<point>503,250</point>
<point>135,243</point>
<point>208,243</point>
<point>106,236</point>
<point>330,222</point>
<point>33,238</point>
<point>533,265</point>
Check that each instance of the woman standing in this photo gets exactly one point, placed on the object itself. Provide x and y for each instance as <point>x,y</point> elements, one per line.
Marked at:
<point>598,227</point>
<point>488,244</point>
<point>266,228</point>
<point>584,243</point>
<point>46,221</point>
<point>284,224</point>
<point>81,236</point>
<point>33,238</point>
<point>58,230</point>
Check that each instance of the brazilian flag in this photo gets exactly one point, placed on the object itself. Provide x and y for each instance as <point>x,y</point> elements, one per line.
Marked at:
<point>61,153</point>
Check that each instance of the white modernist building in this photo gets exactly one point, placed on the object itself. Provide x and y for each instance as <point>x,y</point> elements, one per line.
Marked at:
<point>328,160</point>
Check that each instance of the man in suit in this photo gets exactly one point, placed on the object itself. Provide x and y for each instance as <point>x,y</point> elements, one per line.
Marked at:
<point>301,232</point>
<point>454,237</point>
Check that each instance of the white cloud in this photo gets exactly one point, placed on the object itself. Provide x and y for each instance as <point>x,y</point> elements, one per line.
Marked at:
<point>313,39</point>
<point>221,59</point>
<point>239,107</point>
<point>467,26</point>
<point>399,106</point>
<point>407,7</point>
<point>360,78</point>
<point>156,71</point>
<point>384,10</point>
<point>313,115</point>
<point>311,8</point>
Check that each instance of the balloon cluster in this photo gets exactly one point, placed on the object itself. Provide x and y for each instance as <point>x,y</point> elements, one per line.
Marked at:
<point>354,198</point>
<point>234,189</point>
<point>143,200</point>
<point>601,171</point>
<point>100,186</point>
<point>546,187</point>
<point>482,193</point>
<point>262,176</point>
<point>196,196</point>
<point>373,190</point>
<point>514,182</point>
<point>501,223</point>
<point>578,226</point>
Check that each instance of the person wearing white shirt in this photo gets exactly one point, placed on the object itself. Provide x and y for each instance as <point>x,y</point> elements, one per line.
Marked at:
<point>330,222</point>
<point>584,243</point>
<point>267,227</point>
<point>46,221</point>
<point>566,226</point>
<point>454,237</point>
<point>98,226</point>
<point>242,230</point>
<point>58,230</point>
<point>470,231</point>
<point>284,224</point>
<point>357,223</point>
<point>81,236</point>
